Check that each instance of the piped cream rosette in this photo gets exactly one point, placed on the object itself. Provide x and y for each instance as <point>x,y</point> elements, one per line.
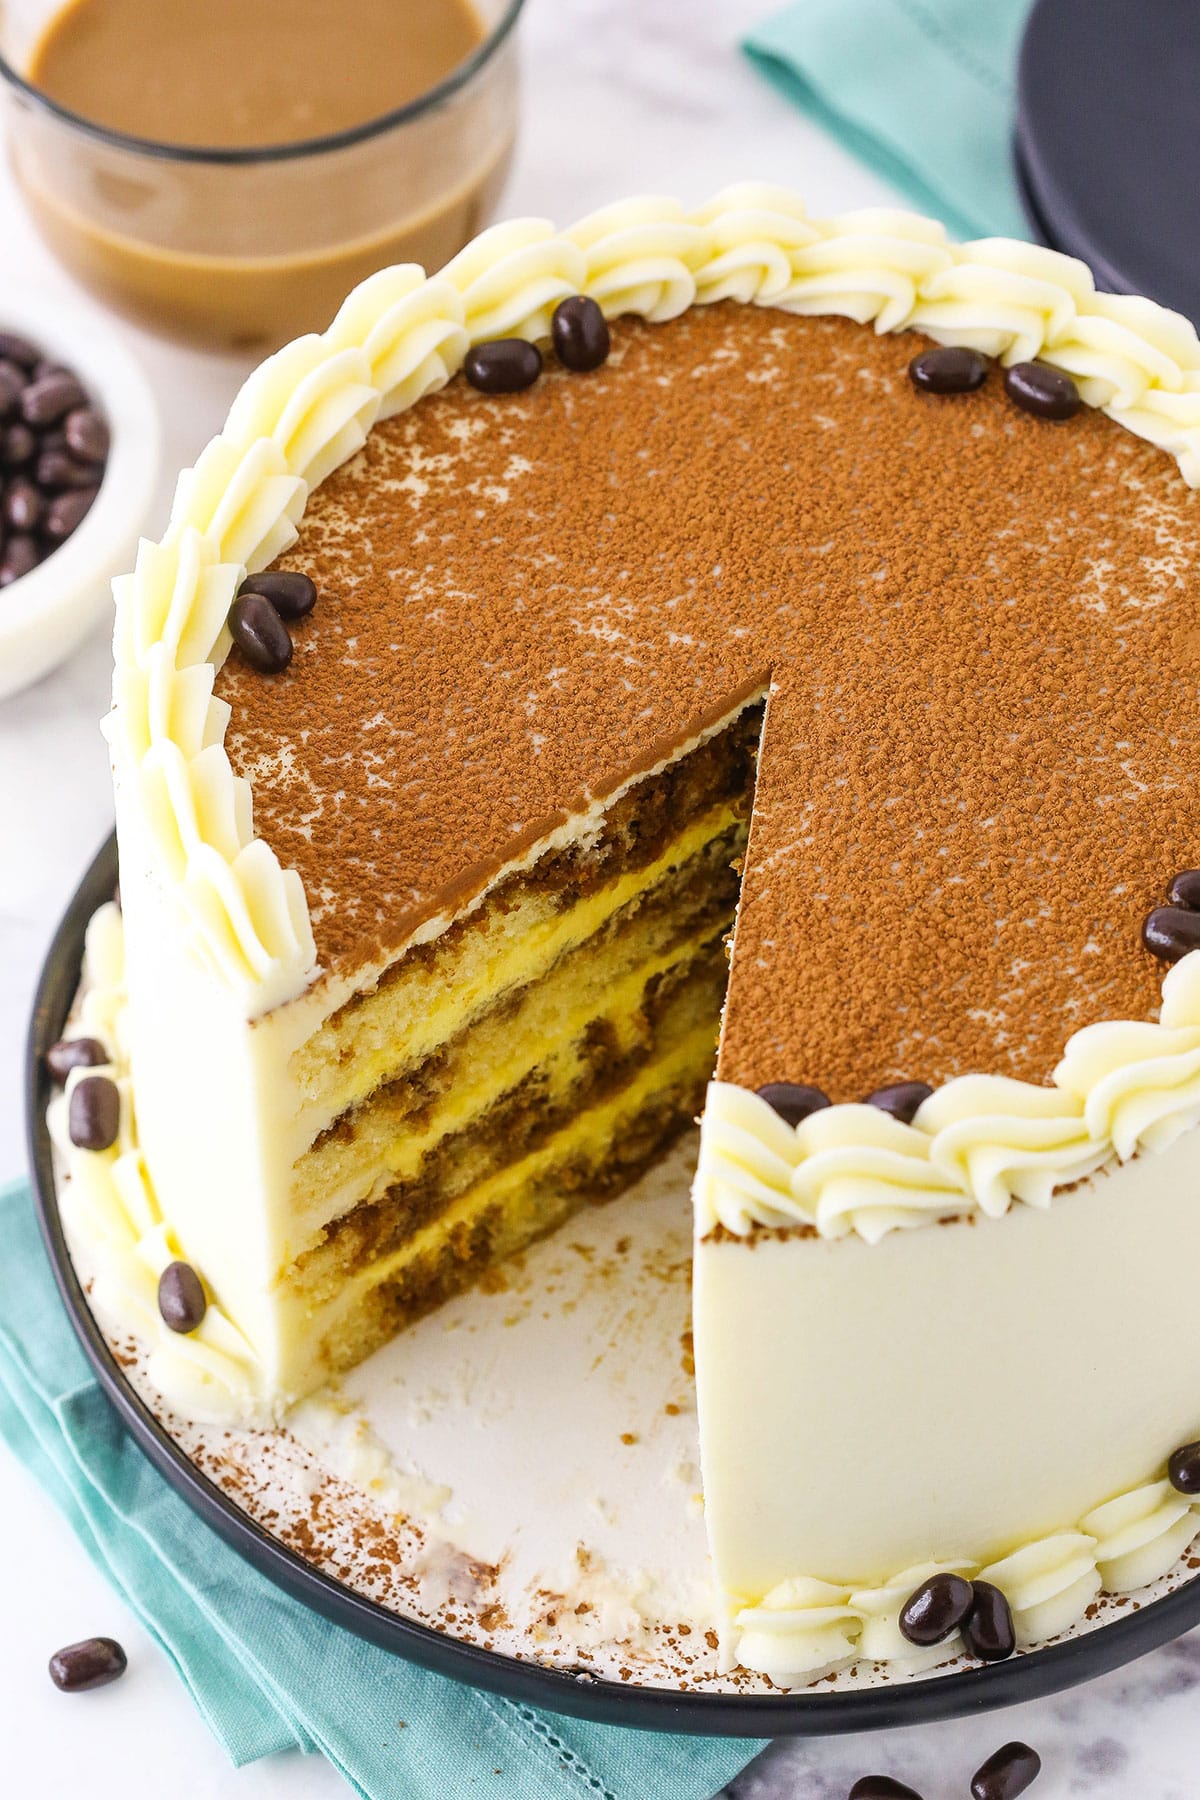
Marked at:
<point>804,1628</point>
<point>978,1143</point>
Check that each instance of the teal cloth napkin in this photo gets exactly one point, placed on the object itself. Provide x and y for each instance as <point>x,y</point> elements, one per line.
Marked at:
<point>921,90</point>
<point>266,1673</point>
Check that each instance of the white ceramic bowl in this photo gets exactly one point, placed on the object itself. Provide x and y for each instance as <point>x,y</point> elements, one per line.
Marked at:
<point>47,613</point>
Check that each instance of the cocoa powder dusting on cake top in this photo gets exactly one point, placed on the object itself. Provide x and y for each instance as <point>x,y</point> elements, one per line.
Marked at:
<point>981,632</point>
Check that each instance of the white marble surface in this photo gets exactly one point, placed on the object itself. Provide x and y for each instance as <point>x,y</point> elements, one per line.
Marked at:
<point>621,96</point>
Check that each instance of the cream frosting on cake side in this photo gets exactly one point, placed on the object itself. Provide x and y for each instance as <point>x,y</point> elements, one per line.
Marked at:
<point>116,1227</point>
<point>966,1394</point>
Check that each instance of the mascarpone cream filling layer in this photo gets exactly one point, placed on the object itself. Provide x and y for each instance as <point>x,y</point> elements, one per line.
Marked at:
<point>508,1189</point>
<point>340,1069</point>
<point>547,1039</point>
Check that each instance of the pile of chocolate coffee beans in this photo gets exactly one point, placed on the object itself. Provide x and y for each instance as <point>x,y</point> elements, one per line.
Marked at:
<point>53,449</point>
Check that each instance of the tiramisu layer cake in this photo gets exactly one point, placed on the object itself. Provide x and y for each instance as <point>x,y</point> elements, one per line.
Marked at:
<point>515,632</point>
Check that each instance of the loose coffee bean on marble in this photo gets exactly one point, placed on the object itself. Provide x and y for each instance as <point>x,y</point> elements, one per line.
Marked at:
<point>87,434</point>
<point>292,593</point>
<point>92,1663</point>
<point>19,557</point>
<point>74,1053</point>
<point>881,1787</point>
<point>18,446</point>
<point>1007,1773</point>
<point>901,1099</point>
<point>19,350</point>
<point>1169,932</point>
<point>936,1609</point>
<point>23,505</point>
<point>57,470</point>
<point>1183,1469</point>
<point>793,1100</point>
<point>948,369</point>
<point>260,634</point>
<point>66,512</point>
<point>181,1297</point>
<point>988,1632</point>
<point>1041,390</point>
<point>504,366</point>
<point>1185,889</point>
<point>50,398</point>
<point>580,335</point>
<point>94,1113</point>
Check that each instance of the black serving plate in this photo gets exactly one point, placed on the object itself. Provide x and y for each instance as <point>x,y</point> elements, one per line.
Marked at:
<point>1106,107</point>
<point>1025,1677</point>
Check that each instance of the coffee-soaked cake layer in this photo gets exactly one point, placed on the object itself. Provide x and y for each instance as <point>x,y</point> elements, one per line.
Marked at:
<point>680,1002</point>
<point>445,1263</point>
<point>981,631</point>
<point>402,1022</point>
<point>536,1046</point>
<point>351,1305</point>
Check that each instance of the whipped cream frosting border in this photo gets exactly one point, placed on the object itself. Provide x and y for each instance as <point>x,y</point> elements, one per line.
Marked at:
<point>977,1144</point>
<point>981,1141</point>
<point>801,1630</point>
<point>805,1629</point>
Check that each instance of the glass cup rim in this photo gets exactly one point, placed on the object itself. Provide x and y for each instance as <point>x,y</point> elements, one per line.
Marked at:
<point>458,78</point>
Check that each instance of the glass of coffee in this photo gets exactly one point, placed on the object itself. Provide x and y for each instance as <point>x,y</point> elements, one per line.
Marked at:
<point>226,170</point>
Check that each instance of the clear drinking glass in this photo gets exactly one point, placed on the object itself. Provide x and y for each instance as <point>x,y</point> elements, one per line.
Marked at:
<point>245,248</point>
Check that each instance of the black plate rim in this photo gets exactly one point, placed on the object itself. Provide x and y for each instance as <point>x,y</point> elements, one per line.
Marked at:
<point>1030,204</point>
<point>1107,276</point>
<point>1033,1675</point>
<point>1063,212</point>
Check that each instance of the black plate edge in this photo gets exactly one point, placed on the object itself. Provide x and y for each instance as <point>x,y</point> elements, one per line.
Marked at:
<point>1054,210</point>
<point>995,1685</point>
<point>1107,276</point>
<point>1034,215</point>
